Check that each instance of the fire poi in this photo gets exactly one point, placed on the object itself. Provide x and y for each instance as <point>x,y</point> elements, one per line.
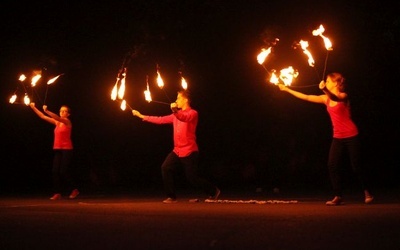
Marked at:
<point>118,90</point>
<point>35,80</point>
<point>287,75</point>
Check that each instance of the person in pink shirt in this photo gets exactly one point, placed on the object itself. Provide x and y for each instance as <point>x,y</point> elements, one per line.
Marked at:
<point>185,152</point>
<point>345,133</point>
<point>63,150</point>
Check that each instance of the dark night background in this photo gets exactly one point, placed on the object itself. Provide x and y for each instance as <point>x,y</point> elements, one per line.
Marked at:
<point>248,129</point>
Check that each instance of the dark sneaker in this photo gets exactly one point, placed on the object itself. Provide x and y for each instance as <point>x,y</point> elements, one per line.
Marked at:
<point>335,202</point>
<point>170,200</point>
<point>74,193</point>
<point>56,197</point>
<point>215,197</point>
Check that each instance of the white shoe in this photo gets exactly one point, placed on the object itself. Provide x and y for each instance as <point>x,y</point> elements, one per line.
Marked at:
<point>170,200</point>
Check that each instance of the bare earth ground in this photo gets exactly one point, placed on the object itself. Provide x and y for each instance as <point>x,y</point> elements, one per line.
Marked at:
<point>237,221</point>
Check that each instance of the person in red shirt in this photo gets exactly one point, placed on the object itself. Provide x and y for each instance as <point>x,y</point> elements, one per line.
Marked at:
<point>185,152</point>
<point>345,133</point>
<point>63,149</point>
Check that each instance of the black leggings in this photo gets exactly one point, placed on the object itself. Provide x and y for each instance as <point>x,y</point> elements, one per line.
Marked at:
<point>340,147</point>
<point>62,178</point>
<point>190,164</point>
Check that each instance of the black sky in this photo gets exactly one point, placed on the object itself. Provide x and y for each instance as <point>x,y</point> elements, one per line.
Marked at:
<point>214,44</point>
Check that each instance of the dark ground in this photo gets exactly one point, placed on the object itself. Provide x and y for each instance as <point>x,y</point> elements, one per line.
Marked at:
<point>141,221</point>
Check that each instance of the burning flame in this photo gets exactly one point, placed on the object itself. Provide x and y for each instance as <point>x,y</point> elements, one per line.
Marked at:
<point>318,32</point>
<point>26,99</point>
<point>160,81</point>
<point>123,105</point>
<point>274,78</point>
<point>286,75</point>
<point>304,45</point>
<point>263,55</point>
<point>22,78</point>
<point>35,79</point>
<point>121,90</point>
<point>147,94</point>
<point>114,91</point>
<point>184,83</point>
<point>13,98</point>
<point>52,80</point>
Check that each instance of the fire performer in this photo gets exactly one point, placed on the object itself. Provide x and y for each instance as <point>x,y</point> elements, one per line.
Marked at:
<point>185,152</point>
<point>345,133</point>
<point>63,150</point>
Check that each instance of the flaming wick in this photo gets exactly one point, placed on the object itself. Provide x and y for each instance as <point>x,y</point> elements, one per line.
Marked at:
<point>327,42</point>
<point>52,80</point>
<point>124,104</point>
<point>160,82</point>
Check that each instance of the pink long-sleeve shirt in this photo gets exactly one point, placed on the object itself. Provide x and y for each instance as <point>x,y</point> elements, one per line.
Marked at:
<point>184,127</point>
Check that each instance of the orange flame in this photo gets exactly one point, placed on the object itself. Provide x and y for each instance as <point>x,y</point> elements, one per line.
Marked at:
<point>114,92</point>
<point>287,75</point>
<point>22,78</point>
<point>263,55</point>
<point>304,45</point>
<point>35,79</point>
<point>160,81</point>
<point>52,80</point>
<point>274,78</point>
<point>147,94</point>
<point>318,32</point>
<point>13,98</point>
<point>184,83</point>
<point>121,90</point>
<point>123,105</point>
<point>26,99</point>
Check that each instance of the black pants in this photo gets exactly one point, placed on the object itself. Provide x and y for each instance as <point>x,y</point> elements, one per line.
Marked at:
<point>62,177</point>
<point>190,165</point>
<point>340,147</point>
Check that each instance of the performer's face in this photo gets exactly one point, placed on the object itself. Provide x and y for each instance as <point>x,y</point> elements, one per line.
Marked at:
<point>180,101</point>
